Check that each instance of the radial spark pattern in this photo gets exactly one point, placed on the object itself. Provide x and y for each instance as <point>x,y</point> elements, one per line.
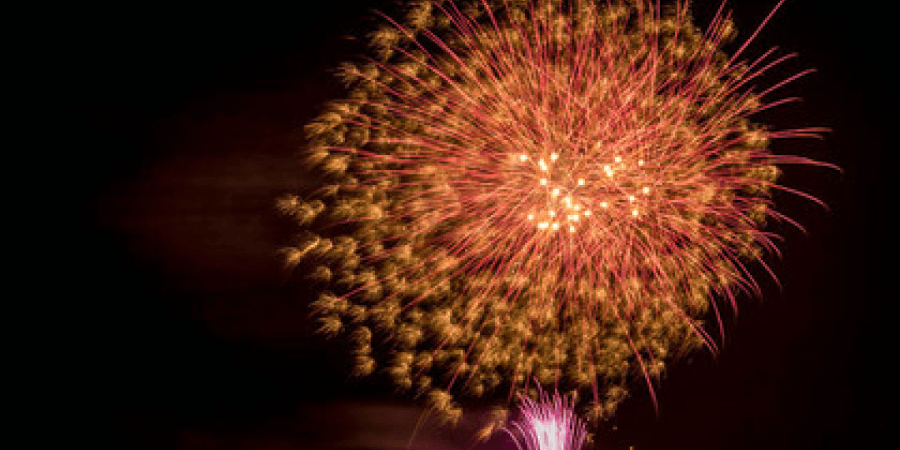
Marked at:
<point>549,423</point>
<point>553,189</point>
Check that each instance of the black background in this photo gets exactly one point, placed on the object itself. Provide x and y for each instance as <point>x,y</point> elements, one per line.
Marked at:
<point>185,119</point>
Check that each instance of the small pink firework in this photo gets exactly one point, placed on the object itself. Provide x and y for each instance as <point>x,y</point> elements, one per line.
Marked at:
<point>548,424</point>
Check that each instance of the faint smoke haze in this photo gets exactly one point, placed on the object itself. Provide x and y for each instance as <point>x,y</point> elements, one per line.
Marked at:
<point>347,426</point>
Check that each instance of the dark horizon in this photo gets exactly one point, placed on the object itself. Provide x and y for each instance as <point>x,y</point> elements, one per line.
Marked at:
<point>198,339</point>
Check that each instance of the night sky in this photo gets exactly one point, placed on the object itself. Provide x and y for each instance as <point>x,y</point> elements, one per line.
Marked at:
<point>193,337</point>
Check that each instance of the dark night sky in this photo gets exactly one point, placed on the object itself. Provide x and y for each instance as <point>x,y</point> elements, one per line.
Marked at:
<point>186,119</point>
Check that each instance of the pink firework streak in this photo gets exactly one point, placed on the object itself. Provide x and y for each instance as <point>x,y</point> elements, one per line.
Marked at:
<point>583,163</point>
<point>547,424</point>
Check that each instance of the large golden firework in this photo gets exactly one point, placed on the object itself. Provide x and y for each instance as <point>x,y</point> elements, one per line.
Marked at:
<point>550,190</point>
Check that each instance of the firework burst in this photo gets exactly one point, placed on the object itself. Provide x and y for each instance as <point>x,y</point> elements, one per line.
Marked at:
<point>551,189</point>
<point>549,423</point>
